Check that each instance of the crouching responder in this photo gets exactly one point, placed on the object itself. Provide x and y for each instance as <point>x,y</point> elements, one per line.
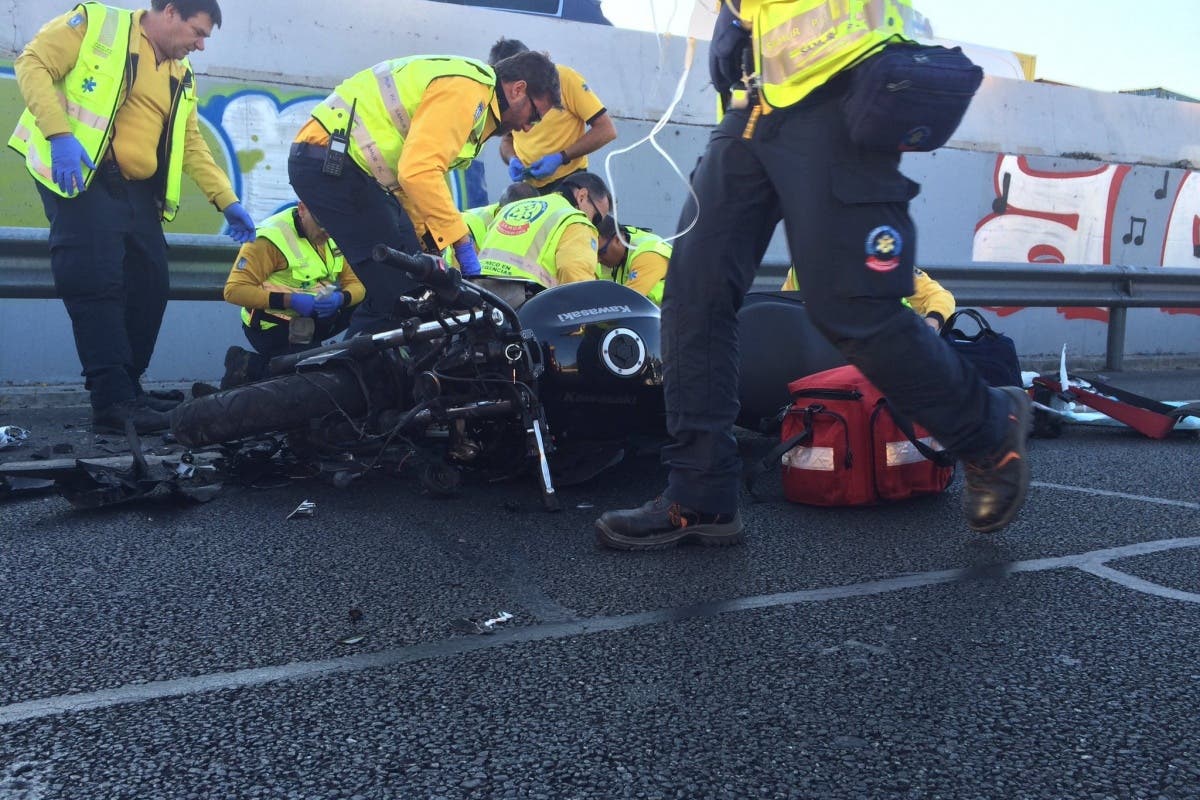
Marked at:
<point>934,302</point>
<point>545,241</point>
<point>480,218</point>
<point>295,290</point>
<point>642,265</point>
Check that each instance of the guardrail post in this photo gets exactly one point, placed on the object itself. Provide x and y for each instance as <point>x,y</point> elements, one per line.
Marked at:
<point>1114,355</point>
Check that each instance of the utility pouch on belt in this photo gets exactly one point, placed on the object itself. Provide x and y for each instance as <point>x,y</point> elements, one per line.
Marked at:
<point>301,330</point>
<point>909,97</point>
<point>108,175</point>
<point>844,445</point>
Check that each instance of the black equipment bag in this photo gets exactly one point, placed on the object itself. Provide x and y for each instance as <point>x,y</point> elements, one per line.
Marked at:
<point>993,354</point>
<point>909,97</point>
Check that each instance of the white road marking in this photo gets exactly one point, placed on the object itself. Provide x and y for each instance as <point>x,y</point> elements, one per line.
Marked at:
<point>1091,562</point>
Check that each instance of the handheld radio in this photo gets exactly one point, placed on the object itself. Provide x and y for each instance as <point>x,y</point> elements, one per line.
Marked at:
<point>339,143</point>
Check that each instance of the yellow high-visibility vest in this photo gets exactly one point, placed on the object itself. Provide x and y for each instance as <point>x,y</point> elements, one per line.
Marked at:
<point>801,44</point>
<point>91,93</point>
<point>307,271</point>
<point>385,98</point>
<point>478,221</point>
<point>640,242</point>
<point>522,242</point>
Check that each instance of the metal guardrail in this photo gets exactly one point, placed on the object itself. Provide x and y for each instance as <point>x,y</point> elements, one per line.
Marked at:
<point>200,264</point>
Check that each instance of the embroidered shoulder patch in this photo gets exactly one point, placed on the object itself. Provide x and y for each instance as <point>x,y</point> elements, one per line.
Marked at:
<point>75,21</point>
<point>478,111</point>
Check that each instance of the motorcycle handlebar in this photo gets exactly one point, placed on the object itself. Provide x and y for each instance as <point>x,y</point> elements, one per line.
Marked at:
<point>427,269</point>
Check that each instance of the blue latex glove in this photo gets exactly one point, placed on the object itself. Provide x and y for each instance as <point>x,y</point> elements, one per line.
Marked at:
<point>729,41</point>
<point>329,304</point>
<point>468,260</point>
<point>546,165</point>
<point>66,153</point>
<point>516,169</point>
<point>241,227</point>
<point>303,304</point>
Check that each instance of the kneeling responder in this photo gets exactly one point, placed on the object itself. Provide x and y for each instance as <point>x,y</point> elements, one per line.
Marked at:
<point>480,218</point>
<point>295,290</point>
<point>934,302</point>
<point>642,266</point>
<point>541,242</point>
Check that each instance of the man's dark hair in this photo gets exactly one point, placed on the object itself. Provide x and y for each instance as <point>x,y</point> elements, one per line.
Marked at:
<point>594,184</point>
<point>190,8</point>
<point>538,72</point>
<point>517,191</point>
<point>503,48</point>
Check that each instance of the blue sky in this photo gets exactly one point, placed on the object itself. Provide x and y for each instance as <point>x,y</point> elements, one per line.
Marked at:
<point>1100,44</point>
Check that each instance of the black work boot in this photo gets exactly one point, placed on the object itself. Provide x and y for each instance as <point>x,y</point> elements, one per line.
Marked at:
<point>997,483</point>
<point>662,523</point>
<point>241,366</point>
<point>111,419</point>
<point>157,403</point>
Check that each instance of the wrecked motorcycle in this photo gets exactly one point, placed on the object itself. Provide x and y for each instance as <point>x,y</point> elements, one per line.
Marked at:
<point>460,383</point>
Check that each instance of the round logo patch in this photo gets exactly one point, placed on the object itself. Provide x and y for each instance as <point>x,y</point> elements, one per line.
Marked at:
<point>884,246</point>
<point>518,216</point>
<point>913,139</point>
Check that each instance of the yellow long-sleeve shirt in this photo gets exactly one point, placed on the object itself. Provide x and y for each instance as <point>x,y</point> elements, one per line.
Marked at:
<point>249,282</point>
<point>929,299</point>
<point>141,113</point>
<point>440,127</point>
<point>575,257</point>
<point>645,272</point>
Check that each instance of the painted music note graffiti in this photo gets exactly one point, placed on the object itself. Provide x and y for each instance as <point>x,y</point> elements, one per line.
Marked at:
<point>1159,194</point>
<point>1000,204</point>
<point>1141,235</point>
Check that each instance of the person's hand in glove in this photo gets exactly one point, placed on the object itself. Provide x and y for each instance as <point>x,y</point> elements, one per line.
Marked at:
<point>329,304</point>
<point>303,304</point>
<point>241,227</point>
<point>546,165</point>
<point>66,153</point>
<point>516,170</point>
<point>729,42</point>
<point>468,260</point>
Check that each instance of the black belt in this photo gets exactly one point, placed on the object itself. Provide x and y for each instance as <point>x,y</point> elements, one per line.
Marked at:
<point>308,150</point>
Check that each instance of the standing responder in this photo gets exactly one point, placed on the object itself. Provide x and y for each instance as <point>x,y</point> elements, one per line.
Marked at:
<point>295,290</point>
<point>545,241</point>
<point>560,145</point>
<point>371,163</point>
<point>786,154</point>
<point>642,266</point>
<point>109,128</point>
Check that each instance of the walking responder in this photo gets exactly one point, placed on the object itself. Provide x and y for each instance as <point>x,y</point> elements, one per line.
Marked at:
<point>783,151</point>
<point>109,129</point>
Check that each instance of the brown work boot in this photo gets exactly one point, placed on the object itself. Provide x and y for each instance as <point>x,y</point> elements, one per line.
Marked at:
<point>662,523</point>
<point>241,367</point>
<point>111,419</point>
<point>997,483</point>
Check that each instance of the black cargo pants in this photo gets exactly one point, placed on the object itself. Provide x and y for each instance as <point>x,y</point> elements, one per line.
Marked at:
<point>109,260</point>
<point>845,213</point>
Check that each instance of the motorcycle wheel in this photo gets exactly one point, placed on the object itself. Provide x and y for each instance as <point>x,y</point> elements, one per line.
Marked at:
<point>275,404</point>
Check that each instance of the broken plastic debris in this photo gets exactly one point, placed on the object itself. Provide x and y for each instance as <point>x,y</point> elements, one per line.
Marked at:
<point>306,509</point>
<point>354,638</point>
<point>482,626</point>
<point>12,436</point>
<point>499,619</point>
<point>585,505</point>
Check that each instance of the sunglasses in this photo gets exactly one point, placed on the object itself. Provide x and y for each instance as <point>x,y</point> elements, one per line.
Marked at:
<point>535,116</point>
<point>604,246</point>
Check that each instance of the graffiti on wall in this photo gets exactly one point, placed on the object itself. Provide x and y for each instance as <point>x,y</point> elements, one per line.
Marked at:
<point>1086,216</point>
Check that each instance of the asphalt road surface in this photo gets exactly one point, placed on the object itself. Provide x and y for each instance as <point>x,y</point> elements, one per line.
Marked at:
<point>207,651</point>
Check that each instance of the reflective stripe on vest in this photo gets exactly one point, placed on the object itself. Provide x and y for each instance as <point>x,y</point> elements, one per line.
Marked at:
<point>522,244</point>
<point>640,242</point>
<point>102,62</point>
<point>801,44</point>
<point>385,98</point>
<point>307,272</point>
<point>89,94</point>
